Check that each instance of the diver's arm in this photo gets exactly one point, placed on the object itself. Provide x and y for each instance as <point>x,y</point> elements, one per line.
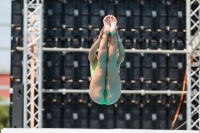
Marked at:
<point>92,53</point>
<point>121,53</point>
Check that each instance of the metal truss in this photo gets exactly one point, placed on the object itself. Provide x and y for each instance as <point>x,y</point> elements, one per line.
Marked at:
<point>32,63</point>
<point>193,64</point>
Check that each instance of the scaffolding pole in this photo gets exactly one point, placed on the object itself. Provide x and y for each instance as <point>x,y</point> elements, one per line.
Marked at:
<point>142,92</point>
<point>32,63</point>
<point>150,51</point>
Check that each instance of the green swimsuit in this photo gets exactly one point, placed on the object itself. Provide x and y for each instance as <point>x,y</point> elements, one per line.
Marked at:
<point>105,92</point>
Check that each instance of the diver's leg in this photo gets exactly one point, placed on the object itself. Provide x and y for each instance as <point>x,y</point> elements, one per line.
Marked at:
<point>113,84</point>
<point>97,84</point>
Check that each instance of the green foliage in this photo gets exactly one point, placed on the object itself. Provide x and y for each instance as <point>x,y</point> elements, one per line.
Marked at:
<point>4,116</point>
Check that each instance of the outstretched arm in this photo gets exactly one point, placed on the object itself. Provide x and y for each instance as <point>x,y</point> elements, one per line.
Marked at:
<point>121,53</point>
<point>92,53</point>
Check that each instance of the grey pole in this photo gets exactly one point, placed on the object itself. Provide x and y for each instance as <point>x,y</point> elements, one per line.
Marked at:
<point>25,62</point>
<point>188,34</point>
<point>142,92</point>
<point>151,51</point>
<point>40,68</point>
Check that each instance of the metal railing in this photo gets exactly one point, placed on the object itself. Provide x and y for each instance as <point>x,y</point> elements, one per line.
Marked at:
<point>151,51</point>
<point>142,92</point>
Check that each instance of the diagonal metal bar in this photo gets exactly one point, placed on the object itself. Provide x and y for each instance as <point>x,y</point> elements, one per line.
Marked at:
<point>34,41</point>
<point>194,11</point>
<point>194,83</point>
<point>191,2</point>
<point>34,12</point>
<point>195,24</point>
<point>194,97</point>
<point>194,124</point>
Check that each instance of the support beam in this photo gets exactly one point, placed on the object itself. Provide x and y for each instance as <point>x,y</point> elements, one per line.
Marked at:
<point>142,92</point>
<point>151,51</point>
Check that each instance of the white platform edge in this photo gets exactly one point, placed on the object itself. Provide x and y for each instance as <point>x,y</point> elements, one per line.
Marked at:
<point>56,130</point>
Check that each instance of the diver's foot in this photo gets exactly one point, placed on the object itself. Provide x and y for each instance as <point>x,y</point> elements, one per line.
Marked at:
<point>113,25</point>
<point>106,23</point>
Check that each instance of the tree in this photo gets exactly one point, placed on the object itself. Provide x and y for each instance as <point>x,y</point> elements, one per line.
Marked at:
<point>4,116</point>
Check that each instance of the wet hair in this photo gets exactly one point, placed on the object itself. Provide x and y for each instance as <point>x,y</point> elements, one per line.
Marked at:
<point>95,39</point>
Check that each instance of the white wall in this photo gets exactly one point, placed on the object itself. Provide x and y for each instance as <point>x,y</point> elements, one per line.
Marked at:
<point>5,36</point>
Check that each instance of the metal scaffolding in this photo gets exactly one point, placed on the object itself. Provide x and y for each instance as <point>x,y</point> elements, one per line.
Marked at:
<point>193,64</point>
<point>32,63</point>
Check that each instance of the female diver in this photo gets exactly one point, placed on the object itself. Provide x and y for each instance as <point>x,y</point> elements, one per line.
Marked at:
<point>105,86</point>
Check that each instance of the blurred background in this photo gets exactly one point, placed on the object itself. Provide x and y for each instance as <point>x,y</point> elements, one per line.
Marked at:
<point>5,45</point>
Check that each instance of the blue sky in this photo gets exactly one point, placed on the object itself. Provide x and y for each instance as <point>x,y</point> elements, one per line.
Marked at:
<point>5,35</point>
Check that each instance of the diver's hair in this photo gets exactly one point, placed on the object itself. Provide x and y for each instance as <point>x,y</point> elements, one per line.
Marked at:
<point>95,39</point>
